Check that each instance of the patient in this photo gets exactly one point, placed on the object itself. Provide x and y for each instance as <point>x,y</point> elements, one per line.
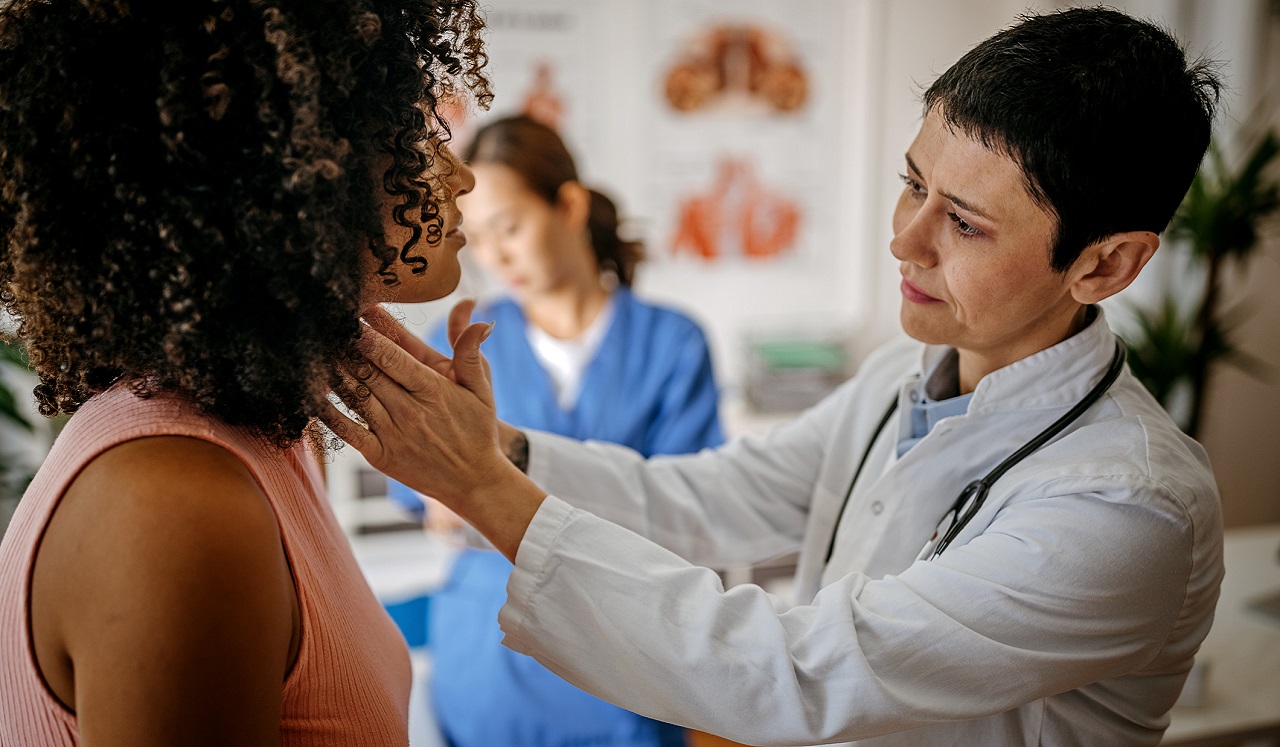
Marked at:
<point>196,200</point>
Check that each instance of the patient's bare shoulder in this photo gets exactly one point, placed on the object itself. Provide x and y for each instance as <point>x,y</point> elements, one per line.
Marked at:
<point>161,598</point>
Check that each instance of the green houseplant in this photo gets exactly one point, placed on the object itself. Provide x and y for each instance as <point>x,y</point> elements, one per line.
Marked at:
<point>1174,349</point>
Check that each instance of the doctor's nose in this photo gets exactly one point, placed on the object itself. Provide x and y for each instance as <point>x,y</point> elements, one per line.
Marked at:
<point>911,240</point>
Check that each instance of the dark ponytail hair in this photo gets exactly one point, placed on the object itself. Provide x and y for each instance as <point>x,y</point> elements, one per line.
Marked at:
<point>539,156</point>
<point>614,253</point>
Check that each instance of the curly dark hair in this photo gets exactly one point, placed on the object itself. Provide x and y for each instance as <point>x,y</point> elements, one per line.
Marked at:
<point>188,189</point>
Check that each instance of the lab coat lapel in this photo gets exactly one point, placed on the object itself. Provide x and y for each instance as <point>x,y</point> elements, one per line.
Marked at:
<point>890,519</point>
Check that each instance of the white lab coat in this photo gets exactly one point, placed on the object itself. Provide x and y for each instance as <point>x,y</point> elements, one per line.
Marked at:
<point>1066,613</point>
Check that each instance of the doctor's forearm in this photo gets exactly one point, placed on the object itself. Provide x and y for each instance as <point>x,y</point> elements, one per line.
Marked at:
<point>501,508</point>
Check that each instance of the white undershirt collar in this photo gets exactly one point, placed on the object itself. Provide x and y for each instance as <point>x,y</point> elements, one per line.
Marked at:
<point>565,361</point>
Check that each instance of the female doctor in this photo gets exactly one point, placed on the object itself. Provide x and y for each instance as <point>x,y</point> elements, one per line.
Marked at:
<point>1004,539</point>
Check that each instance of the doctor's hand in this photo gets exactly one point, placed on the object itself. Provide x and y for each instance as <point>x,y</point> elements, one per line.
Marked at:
<point>430,424</point>
<point>512,439</point>
<point>459,319</point>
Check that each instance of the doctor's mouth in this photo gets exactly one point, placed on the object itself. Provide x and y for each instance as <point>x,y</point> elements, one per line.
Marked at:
<point>915,295</point>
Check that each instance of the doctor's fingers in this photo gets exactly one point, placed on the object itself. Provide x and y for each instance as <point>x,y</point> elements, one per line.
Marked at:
<point>402,371</point>
<point>382,321</point>
<point>356,435</point>
<point>397,424</point>
<point>351,387</point>
<point>459,318</point>
<point>460,322</point>
<point>470,368</point>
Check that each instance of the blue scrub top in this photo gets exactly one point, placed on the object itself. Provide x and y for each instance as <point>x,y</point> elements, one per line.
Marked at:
<point>650,387</point>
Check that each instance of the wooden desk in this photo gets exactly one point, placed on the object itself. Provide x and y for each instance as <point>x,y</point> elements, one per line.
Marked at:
<point>1242,700</point>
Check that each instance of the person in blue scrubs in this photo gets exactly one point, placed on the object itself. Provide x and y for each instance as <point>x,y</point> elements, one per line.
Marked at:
<point>573,352</point>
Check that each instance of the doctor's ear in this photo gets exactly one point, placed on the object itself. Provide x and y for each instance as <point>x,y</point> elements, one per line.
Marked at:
<point>574,200</point>
<point>1110,264</point>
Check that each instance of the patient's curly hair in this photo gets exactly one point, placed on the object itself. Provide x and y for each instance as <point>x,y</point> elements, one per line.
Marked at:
<point>190,189</point>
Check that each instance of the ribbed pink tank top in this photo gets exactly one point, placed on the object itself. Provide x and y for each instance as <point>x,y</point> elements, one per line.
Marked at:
<point>350,685</point>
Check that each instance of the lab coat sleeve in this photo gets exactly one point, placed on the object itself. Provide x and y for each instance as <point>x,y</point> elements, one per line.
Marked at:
<point>1073,584</point>
<point>689,413</point>
<point>740,504</point>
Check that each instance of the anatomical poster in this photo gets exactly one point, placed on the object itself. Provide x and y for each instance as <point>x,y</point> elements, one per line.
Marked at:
<point>743,118</point>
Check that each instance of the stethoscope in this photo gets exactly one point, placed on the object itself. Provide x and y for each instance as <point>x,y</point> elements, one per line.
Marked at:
<point>975,493</point>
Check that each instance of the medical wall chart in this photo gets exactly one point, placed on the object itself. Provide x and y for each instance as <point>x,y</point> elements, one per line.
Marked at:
<point>742,122</point>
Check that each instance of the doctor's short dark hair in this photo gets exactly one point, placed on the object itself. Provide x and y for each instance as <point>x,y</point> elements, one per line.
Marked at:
<point>191,191</point>
<point>1104,113</point>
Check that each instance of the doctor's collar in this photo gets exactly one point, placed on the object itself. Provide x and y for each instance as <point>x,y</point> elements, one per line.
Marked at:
<point>1059,374</point>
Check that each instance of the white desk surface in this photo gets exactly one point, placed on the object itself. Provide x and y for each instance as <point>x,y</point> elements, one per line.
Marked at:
<point>1242,651</point>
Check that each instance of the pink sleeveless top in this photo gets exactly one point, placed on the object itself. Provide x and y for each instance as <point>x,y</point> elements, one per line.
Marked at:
<point>350,684</point>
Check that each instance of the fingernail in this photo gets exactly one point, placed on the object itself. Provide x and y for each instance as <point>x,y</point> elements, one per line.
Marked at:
<point>487,331</point>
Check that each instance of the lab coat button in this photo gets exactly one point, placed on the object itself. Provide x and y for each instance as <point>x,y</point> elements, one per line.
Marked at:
<point>877,507</point>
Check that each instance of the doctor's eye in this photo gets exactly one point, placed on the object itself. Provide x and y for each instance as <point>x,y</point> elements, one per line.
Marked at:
<point>913,185</point>
<point>962,225</point>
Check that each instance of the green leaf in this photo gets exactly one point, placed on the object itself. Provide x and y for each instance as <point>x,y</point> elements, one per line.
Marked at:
<point>9,409</point>
<point>1222,209</point>
<point>13,352</point>
<point>1162,348</point>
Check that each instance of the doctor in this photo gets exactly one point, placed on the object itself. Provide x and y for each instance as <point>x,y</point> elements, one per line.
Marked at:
<point>1073,586</point>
